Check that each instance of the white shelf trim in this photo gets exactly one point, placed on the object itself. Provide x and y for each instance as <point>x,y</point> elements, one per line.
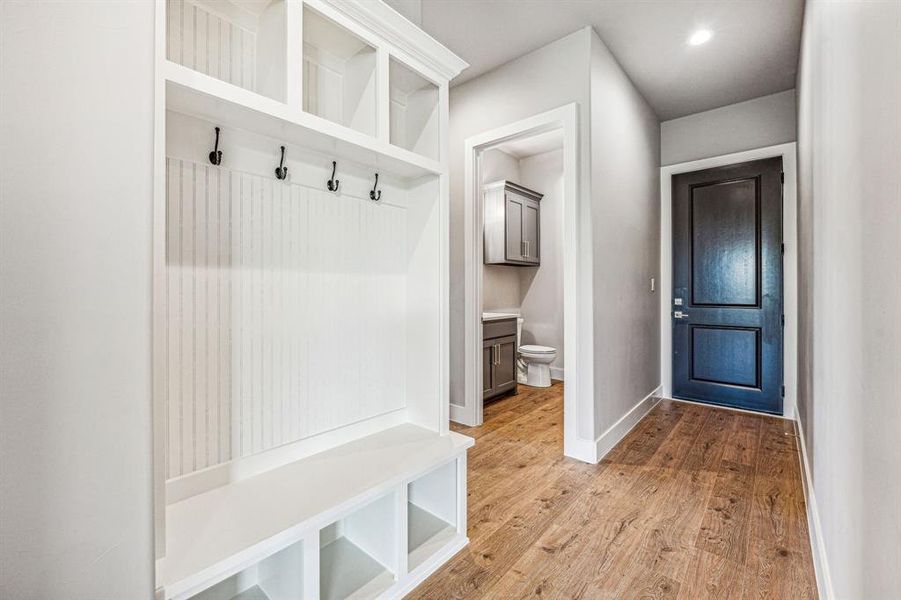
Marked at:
<point>387,23</point>
<point>193,93</point>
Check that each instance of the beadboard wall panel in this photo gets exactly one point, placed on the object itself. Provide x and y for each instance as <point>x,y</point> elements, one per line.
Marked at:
<point>200,39</point>
<point>286,313</point>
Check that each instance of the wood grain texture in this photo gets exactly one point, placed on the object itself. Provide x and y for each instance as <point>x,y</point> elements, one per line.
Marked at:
<point>695,502</point>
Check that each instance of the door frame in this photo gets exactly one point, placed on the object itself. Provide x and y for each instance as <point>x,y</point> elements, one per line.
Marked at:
<point>788,153</point>
<point>575,394</point>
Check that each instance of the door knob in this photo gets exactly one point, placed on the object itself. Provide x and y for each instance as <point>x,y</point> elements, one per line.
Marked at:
<point>680,315</point>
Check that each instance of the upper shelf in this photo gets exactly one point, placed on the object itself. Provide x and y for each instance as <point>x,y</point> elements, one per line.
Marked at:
<point>216,534</point>
<point>199,95</point>
<point>330,75</point>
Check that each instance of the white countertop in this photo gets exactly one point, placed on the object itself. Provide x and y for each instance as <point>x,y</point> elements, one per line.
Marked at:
<point>493,316</point>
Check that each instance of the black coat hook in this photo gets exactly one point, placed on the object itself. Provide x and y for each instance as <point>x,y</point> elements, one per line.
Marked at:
<point>333,183</point>
<point>372,194</point>
<point>216,154</point>
<point>281,171</point>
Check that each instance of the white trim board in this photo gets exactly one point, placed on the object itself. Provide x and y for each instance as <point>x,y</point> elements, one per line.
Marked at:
<point>616,432</point>
<point>814,529</point>
<point>578,363</point>
<point>790,261</point>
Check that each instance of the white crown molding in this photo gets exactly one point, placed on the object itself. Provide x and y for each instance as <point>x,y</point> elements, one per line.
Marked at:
<point>396,29</point>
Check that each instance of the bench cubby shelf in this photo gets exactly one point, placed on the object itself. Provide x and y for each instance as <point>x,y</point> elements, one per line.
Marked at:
<point>301,441</point>
<point>344,504</point>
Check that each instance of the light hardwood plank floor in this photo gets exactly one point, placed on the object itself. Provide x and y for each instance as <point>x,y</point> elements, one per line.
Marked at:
<point>695,502</point>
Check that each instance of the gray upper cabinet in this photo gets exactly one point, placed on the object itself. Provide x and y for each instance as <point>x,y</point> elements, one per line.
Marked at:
<point>512,224</point>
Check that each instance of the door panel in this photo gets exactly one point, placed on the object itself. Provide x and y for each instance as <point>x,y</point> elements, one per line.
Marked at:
<point>505,364</point>
<point>728,355</point>
<point>725,239</point>
<point>487,357</point>
<point>530,222</point>
<point>514,226</point>
<point>727,285</point>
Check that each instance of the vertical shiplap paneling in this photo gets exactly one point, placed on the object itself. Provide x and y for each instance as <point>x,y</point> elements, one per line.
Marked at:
<point>333,291</point>
<point>383,284</point>
<point>200,387</point>
<point>285,313</point>
<point>200,39</point>
<point>185,275</point>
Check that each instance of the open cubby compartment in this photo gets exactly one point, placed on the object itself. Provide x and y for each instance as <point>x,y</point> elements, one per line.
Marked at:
<point>278,577</point>
<point>339,74</point>
<point>358,553</point>
<point>242,42</point>
<point>431,513</point>
<point>414,110</point>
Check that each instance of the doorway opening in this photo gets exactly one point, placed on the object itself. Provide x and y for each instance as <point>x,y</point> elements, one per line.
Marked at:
<point>727,285</point>
<point>788,229</point>
<point>521,248</point>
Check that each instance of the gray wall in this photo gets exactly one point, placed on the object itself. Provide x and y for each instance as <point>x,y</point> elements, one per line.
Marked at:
<point>849,151</point>
<point>619,179</point>
<point>625,190</point>
<point>76,125</point>
<point>547,78</point>
<point>501,289</point>
<point>756,123</point>
<point>536,293</point>
<point>542,287</point>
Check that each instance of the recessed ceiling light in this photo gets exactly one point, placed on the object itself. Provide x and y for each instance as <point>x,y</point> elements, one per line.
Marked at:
<point>700,36</point>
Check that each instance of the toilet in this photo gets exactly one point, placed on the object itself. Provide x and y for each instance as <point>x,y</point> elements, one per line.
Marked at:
<point>534,363</point>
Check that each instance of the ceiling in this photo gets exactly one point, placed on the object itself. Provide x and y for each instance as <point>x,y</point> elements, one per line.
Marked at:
<point>754,50</point>
<point>523,147</point>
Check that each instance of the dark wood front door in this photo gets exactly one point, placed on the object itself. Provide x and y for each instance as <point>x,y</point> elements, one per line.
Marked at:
<point>727,285</point>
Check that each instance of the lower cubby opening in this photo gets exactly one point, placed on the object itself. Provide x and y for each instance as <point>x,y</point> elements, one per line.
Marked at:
<point>278,577</point>
<point>357,553</point>
<point>431,513</point>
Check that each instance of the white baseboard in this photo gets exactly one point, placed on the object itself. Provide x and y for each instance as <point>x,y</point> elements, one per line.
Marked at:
<point>817,544</point>
<point>580,449</point>
<point>462,415</point>
<point>557,373</point>
<point>618,430</point>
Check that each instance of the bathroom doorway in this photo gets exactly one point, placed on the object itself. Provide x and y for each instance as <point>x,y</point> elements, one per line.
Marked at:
<point>521,256</point>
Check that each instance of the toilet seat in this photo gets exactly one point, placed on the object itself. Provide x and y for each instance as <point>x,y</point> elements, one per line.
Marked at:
<point>533,349</point>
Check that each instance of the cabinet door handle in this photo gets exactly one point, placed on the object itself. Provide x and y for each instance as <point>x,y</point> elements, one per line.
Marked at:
<point>528,249</point>
<point>497,354</point>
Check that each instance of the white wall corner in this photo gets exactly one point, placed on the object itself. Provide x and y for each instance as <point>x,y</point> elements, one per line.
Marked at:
<point>817,543</point>
<point>616,432</point>
<point>580,449</point>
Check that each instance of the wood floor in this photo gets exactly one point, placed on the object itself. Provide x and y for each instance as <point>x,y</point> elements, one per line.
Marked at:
<point>696,502</point>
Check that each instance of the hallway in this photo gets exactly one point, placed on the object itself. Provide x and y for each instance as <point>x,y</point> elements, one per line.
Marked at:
<point>695,502</point>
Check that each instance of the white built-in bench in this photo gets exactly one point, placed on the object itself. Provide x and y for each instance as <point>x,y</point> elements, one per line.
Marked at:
<point>370,518</point>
